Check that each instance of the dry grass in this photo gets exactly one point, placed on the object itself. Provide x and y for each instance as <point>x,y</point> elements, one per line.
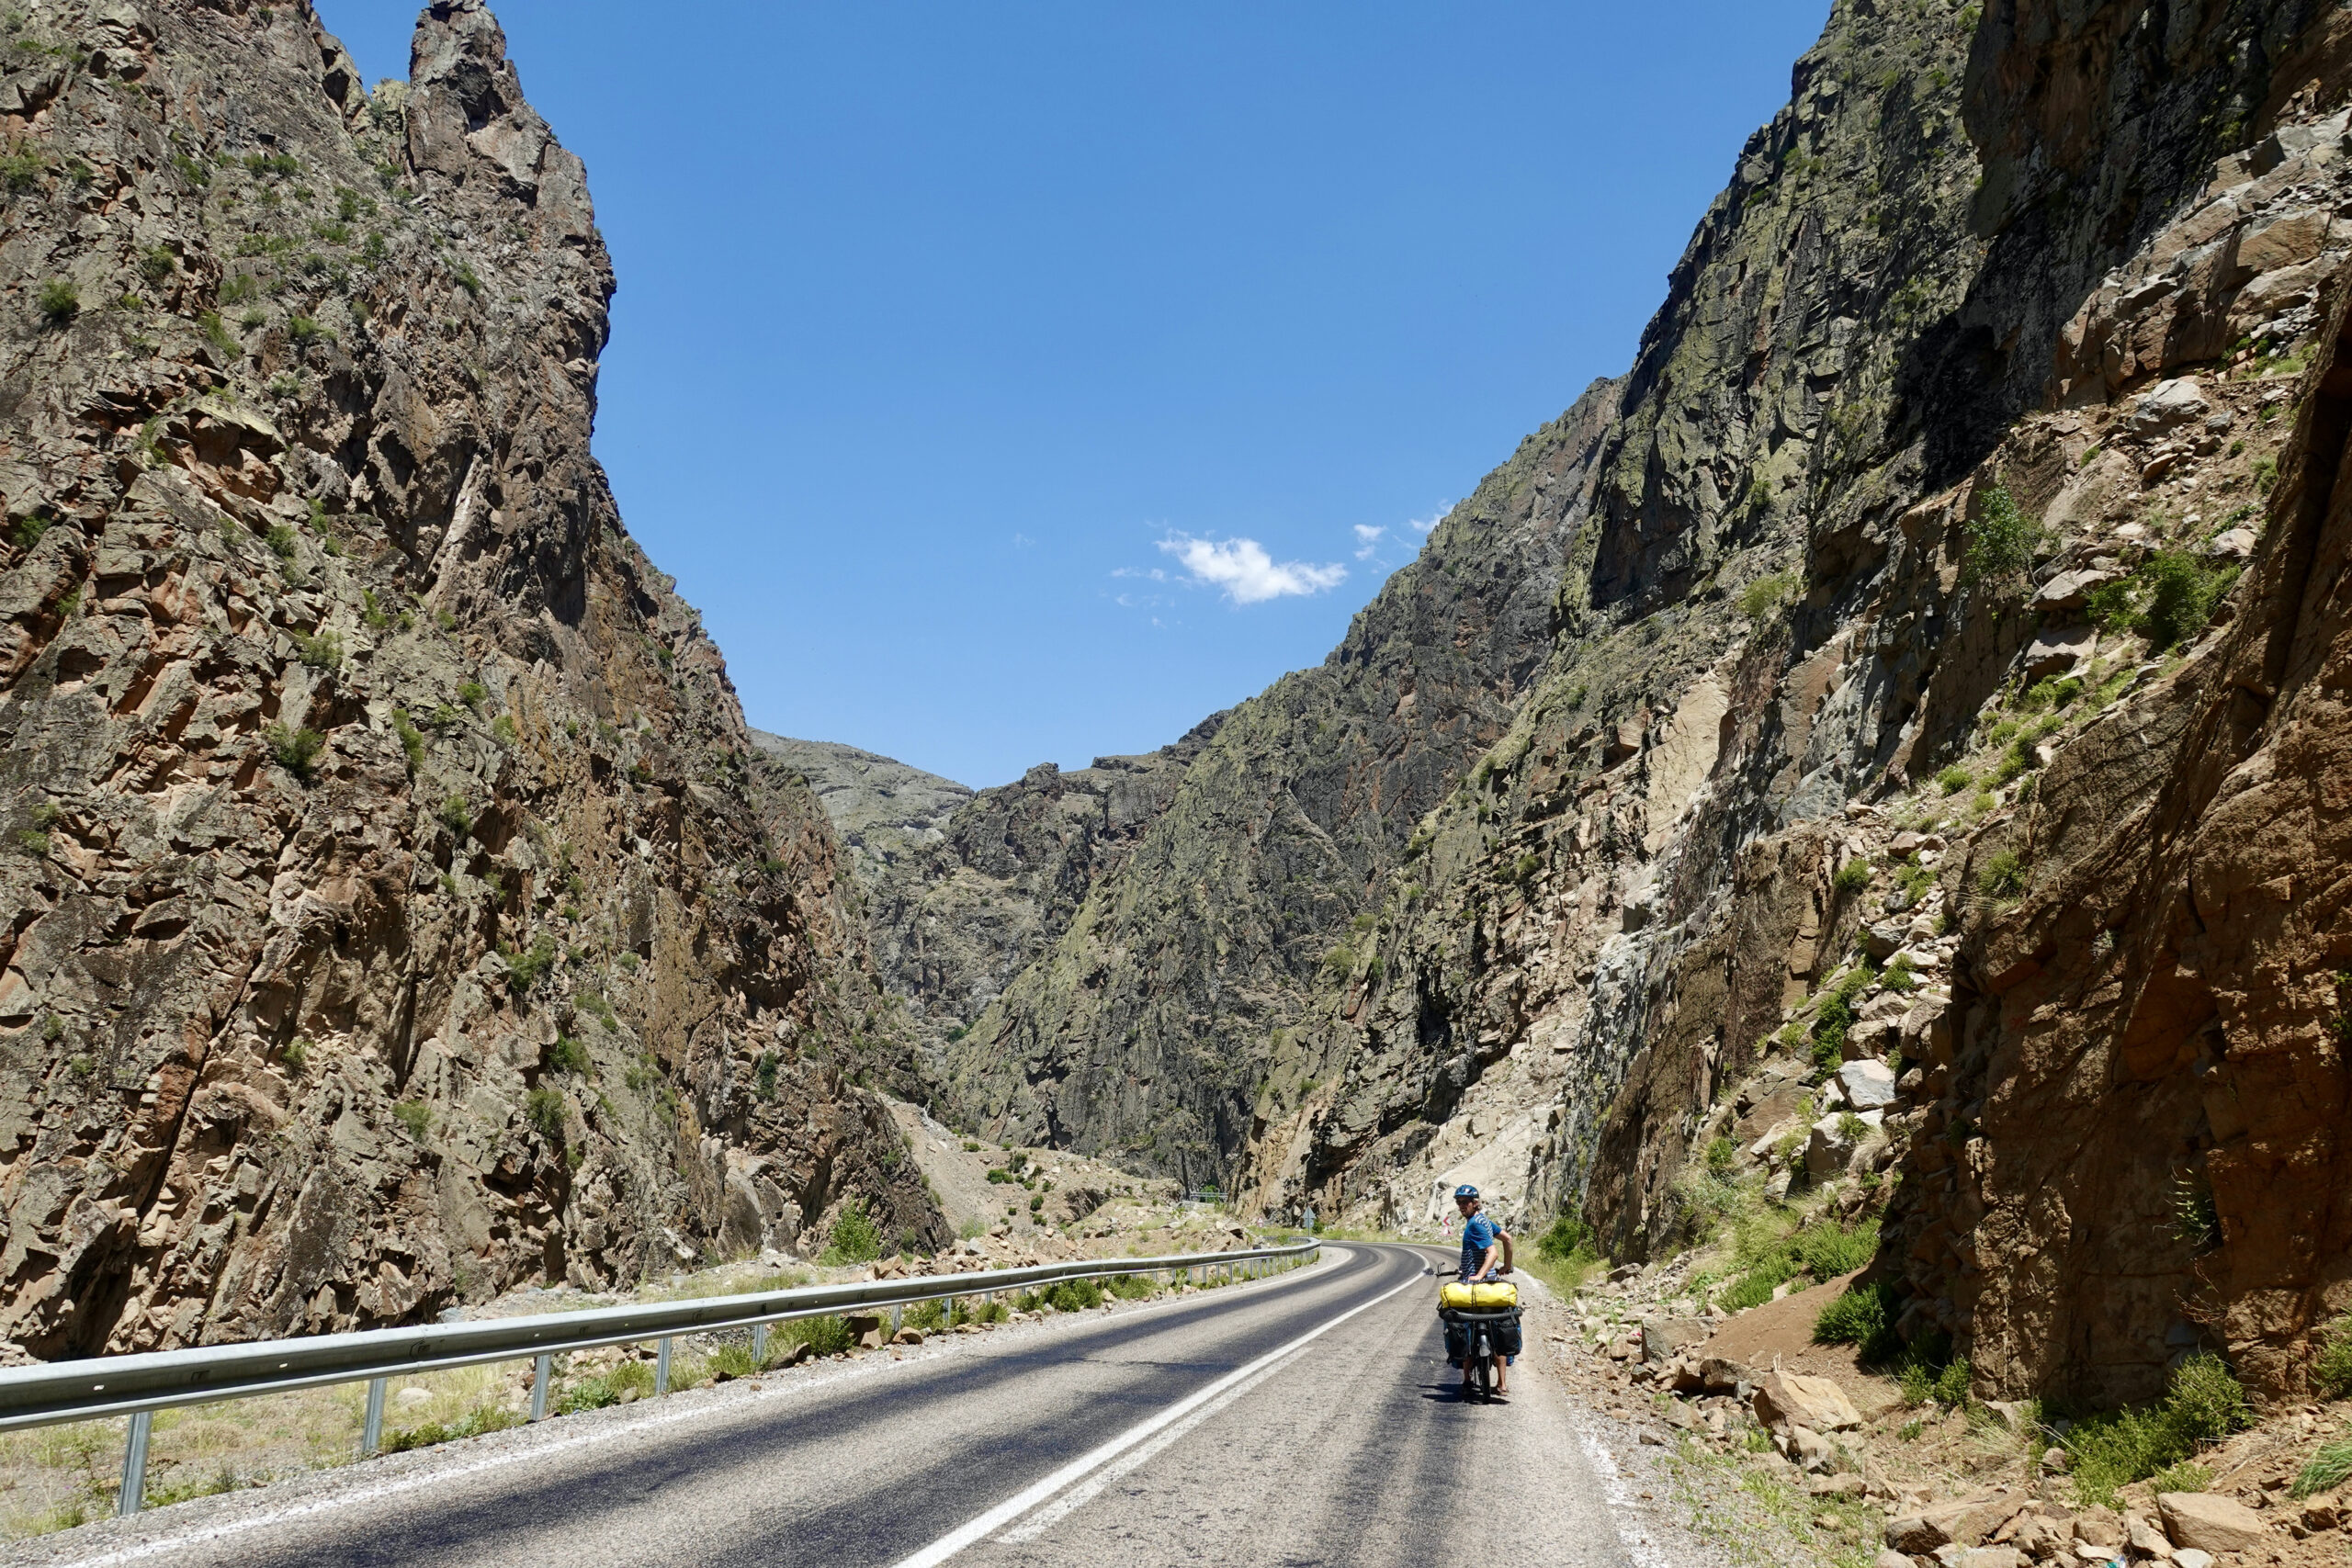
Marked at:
<point>56,1477</point>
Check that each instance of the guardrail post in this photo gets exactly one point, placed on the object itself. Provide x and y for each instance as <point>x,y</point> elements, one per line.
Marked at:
<point>897,1318</point>
<point>135,1465</point>
<point>371,1431</point>
<point>759,1346</point>
<point>542,1374</point>
<point>661,1371</point>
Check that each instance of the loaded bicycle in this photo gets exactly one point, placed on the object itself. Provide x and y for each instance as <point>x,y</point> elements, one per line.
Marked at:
<point>1480,1309</point>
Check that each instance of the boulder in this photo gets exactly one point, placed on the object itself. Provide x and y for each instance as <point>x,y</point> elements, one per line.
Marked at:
<point>1793,1399</point>
<point>2167,406</point>
<point>1992,1557</point>
<point>1723,1376</point>
<point>908,1336</point>
<point>1890,1558</point>
<point>1808,1450</point>
<point>1833,1142</point>
<point>2191,1557</point>
<point>2147,1540</point>
<point>1881,940</point>
<point>2236,544</point>
<point>1963,1524</point>
<point>1869,1085</point>
<point>2210,1521</point>
<point>2060,650</point>
<point>866,1330</point>
<point>2070,590</point>
<point>1664,1338</point>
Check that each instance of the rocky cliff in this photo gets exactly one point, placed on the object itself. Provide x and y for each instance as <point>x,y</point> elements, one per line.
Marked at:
<point>1885,740</point>
<point>391,911</point>
<point>1915,792</point>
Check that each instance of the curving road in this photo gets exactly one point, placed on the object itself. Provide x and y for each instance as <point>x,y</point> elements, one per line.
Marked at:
<point>1307,1420</point>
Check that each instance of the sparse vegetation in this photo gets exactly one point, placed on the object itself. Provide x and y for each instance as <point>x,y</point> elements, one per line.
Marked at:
<point>1760,598</point>
<point>1863,1317</point>
<point>59,301</point>
<point>2332,1369</point>
<point>2003,877</point>
<point>295,751</point>
<point>569,1056</point>
<point>543,1109</point>
<point>856,1238</point>
<point>2001,539</point>
<point>524,968</point>
<point>2205,1404</point>
<point>415,1117</point>
<point>1853,877</point>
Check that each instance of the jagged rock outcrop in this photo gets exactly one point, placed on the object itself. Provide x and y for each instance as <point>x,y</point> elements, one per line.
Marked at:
<point>1862,654</point>
<point>964,902</point>
<point>886,813</point>
<point>389,912</point>
<point>1146,1028</point>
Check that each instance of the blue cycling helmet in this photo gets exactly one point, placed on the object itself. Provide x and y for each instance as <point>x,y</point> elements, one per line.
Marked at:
<point>1464,1190</point>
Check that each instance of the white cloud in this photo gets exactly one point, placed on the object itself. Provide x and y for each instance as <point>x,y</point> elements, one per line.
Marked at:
<point>1246,573</point>
<point>1367,540</point>
<point>1423,524</point>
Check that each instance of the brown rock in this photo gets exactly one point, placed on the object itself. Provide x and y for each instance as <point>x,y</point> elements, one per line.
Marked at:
<point>1785,1398</point>
<point>2210,1522</point>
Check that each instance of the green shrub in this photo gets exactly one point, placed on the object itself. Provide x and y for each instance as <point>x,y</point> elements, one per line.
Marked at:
<point>763,1073</point>
<point>730,1361</point>
<point>2054,693</point>
<point>1863,1317</point>
<point>2205,1404</point>
<point>1897,976</point>
<point>20,169</point>
<point>157,263</point>
<point>456,815</point>
<point>999,1177</point>
<point>2001,539</point>
<point>2332,1371</point>
<point>856,1238</point>
<point>569,1056</point>
<point>488,1418</point>
<point>1761,597</point>
<point>59,302</point>
<point>1074,1295</point>
<point>1567,1239</point>
<point>525,967</point>
<point>1132,1287</point>
<point>501,729</point>
<point>1826,1251</point>
<point>1954,779</point>
<point>324,651</point>
<point>2328,1468</point>
<point>2181,594</point>
<point>411,741</point>
<point>472,693</point>
<point>1853,877</point>
<point>295,751</point>
<point>594,1394</point>
<point>1751,1289</point>
<point>415,1116</point>
<point>2003,877</point>
<point>296,1056</point>
<point>544,1110</point>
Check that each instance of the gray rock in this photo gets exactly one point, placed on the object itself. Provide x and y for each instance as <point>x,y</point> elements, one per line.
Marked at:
<point>1869,1085</point>
<point>2169,405</point>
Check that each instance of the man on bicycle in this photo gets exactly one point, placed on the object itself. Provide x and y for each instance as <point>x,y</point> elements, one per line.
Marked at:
<point>1485,1252</point>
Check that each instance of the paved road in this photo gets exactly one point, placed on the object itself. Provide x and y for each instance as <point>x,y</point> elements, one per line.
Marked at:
<point>1308,1420</point>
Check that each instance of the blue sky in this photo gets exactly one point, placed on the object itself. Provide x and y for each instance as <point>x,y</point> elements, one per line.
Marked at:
<point>1024,382</point>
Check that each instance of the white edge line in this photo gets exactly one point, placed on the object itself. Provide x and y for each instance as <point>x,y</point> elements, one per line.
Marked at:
<point>1013,1508</point>
<point>431,1475</point>
<point>1078,1496</point>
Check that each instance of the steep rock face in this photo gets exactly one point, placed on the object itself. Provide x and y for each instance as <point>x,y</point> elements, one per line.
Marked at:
<point>1702,691</point>
<point>1646,884</point>
<point>388,913</point>
<point>884,812</point>
<point>1144,1030</point>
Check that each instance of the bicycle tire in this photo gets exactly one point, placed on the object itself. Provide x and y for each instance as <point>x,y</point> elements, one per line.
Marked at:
<point>1485,1375</point>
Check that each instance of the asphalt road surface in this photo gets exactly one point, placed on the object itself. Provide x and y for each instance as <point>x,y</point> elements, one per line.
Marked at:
<point>1307,1420</point>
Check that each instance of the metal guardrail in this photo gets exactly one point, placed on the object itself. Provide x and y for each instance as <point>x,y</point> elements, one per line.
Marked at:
<point>139,1385</point>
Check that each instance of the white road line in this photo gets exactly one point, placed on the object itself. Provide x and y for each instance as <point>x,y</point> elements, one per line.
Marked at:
<point>1013,1508</point>
<point>437,1474</point>
<point>1078,1496</point>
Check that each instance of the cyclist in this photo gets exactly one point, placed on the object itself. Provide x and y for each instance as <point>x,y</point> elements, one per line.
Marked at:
<point>1485,1252</point>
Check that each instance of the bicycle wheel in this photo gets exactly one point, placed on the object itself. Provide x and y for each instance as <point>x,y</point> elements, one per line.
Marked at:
<point>1485,1374</point>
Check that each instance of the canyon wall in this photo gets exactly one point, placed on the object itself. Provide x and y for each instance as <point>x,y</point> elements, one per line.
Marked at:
<point>390,909</point>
